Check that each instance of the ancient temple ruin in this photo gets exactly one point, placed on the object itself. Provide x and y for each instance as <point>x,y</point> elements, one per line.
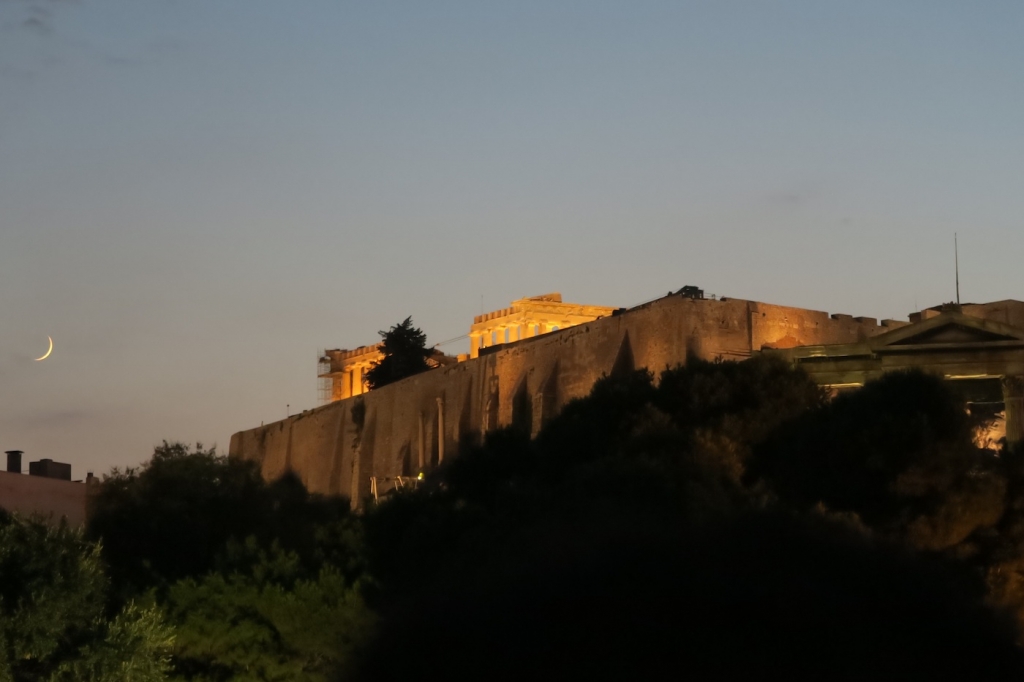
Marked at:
<point>528,317</point>
<point>342,372</point>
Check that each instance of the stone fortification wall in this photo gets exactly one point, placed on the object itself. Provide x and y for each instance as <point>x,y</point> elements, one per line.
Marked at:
<point>412,425</point>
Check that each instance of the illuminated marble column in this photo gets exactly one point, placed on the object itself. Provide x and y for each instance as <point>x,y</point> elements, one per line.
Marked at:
<point>530,329</point>
<point>1013,401</point>
<point>440,430</point>
<point>357,380</point>
<point>513,333</point>
<point>346,385</point>
<point>474,344</point>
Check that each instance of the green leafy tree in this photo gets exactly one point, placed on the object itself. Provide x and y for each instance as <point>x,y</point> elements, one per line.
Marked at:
<point>266,624</point>
<point>54,625</point>
<point>170,518</point>
<point>405,354</point>
<point>259,581</point>
<point>174,517</point>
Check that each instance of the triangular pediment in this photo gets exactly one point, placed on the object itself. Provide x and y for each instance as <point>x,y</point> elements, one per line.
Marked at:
<point>953,333</point>
<point>948,328</point>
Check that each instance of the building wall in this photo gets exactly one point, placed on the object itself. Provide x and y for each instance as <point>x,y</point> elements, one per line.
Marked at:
<point>47,497</point>
<point>413,424</point>
<point>1006,312</point>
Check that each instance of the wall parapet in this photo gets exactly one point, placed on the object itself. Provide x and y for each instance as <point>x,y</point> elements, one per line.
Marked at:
<point>410,426</point>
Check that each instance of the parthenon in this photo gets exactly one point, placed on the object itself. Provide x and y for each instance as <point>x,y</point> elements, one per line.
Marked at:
<point>528,317</point>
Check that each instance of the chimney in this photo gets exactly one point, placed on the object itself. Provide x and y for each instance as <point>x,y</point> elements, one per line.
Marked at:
<point>14,461</point>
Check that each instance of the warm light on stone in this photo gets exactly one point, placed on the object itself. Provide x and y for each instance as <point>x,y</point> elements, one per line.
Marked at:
<point>347,369</point>
<point>529,317</point>
<point>414,424</point>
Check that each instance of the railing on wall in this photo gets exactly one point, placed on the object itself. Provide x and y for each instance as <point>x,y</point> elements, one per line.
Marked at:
<point>382,487</point>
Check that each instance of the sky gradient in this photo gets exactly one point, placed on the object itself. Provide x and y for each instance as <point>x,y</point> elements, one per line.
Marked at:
<point>197,195</point>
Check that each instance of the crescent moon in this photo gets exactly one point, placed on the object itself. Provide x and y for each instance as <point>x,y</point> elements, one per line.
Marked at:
<point>47,352</point>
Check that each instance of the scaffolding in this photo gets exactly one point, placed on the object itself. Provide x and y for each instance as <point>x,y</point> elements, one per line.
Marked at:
<point>325,384</point>
<point>386,486</point>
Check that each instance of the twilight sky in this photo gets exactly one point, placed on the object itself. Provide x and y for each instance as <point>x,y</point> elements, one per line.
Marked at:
<point>196,195</point>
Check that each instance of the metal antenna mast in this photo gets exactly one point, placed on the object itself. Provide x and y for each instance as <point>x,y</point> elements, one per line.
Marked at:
<point>956,257</point>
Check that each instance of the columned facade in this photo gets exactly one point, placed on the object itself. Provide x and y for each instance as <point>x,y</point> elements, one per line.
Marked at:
<point>529,317</point>
<point>983,358</point>
<point>347,369</point>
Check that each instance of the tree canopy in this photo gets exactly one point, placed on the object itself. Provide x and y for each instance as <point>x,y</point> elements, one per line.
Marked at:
<point>259,581</point>
<point>178,515</point>
<point>54,622</point>
<point>405,354</point>
<point>271,621</point>
<point>728,519</point>
<point>721,519</point>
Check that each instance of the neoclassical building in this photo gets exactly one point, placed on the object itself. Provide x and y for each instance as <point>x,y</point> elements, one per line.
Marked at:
<point>978,348</point>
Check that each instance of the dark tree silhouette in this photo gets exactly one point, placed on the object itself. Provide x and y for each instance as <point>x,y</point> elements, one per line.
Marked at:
<point>176,516</point>
<point>764,595</point>
<point>899,453</point>
<point>658,526</point>
<point>405,354</point>
<point>257,580</point>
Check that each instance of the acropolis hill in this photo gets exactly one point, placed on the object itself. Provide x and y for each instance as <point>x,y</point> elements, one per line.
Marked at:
<point>529,359</point>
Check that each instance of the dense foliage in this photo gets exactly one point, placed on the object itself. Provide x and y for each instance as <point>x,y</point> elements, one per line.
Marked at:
<point>405,352</point>
<point>722,520</point>
<point>728,519</point>
<point>177,516</point>
<point>258,581</point>
<point>54,625</point>
<point>267,624</point>
<point>900,454</point>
